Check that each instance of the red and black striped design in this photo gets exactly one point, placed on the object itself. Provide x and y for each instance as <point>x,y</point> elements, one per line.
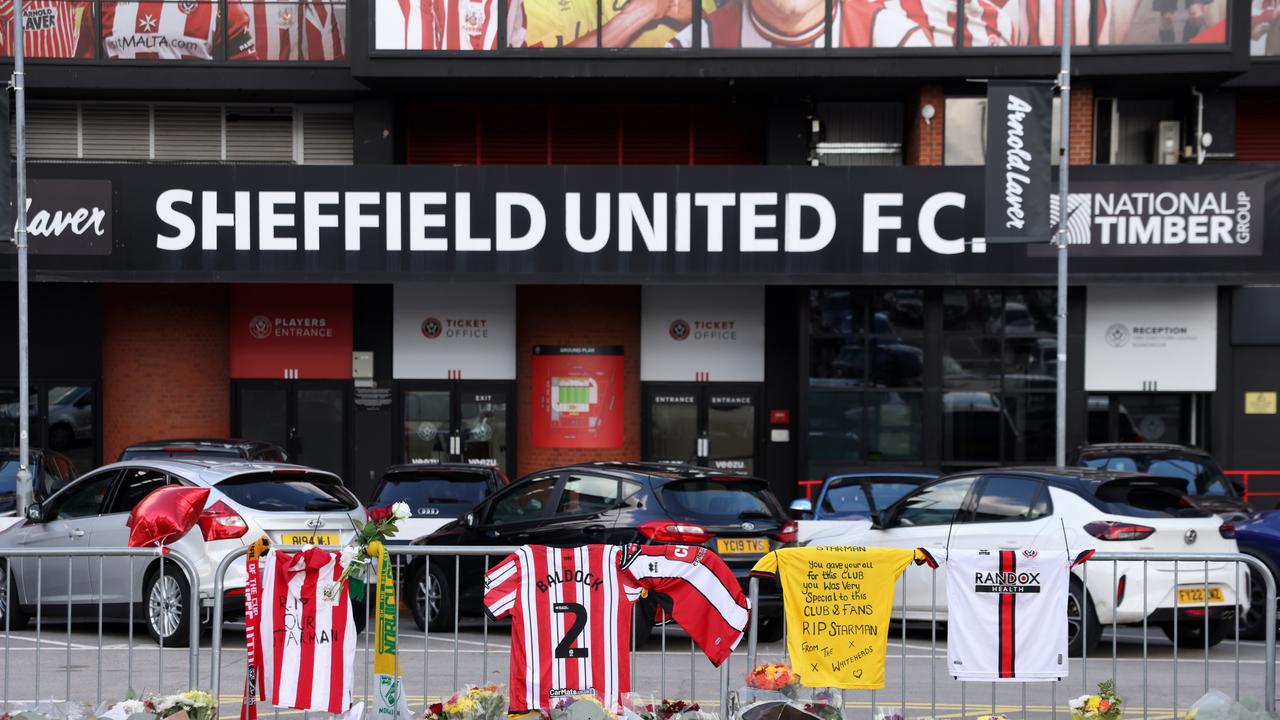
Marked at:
<point>1008,639</point>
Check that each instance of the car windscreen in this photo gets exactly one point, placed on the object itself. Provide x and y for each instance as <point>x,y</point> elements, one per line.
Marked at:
<point>433,493</point>
<point>719,501</point>
<point>204,453</point>
<point>845,497</point>
<point>1203,477</point>
<point>8,485</point>
<point>1147,498</point>
<point>292,492</point>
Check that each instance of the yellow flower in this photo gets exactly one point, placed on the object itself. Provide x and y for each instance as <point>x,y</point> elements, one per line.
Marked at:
<point>1093,703</point>
<point>374,549</point>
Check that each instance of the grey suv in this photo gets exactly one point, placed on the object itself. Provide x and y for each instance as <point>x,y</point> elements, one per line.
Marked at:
<point>290,504</point>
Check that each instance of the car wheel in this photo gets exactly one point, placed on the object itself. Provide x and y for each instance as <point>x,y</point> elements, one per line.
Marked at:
<point>164,606</point>
<point>1253,622</point>
<point>771,629</point>
<point>1191,632</point>
<point>430,599</point>
<point>11,614</point>
<point>1083,628</point>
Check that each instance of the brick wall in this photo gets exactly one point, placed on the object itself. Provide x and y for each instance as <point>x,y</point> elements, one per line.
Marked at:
<point>576,315</point>
<point>1080,147</point>
<point>925,140</point>
<point>164,364</point>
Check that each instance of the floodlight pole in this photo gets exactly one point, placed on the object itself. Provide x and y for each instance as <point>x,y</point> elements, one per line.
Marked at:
<point>25,494</point>
<point>1064,213</point>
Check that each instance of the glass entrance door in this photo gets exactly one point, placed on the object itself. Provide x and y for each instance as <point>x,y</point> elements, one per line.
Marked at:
<point>1149,417</point>
<point>308,418</point>
<point>458,421</point>
<point>710,424</point>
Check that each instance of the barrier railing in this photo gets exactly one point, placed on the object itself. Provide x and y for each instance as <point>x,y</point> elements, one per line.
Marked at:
<point>73,601</point>
<point>1250,492</point>
<point>456,650</point>
<point>1258,570</point>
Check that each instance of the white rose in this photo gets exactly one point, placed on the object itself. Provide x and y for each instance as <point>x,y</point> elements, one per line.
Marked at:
<point>400,510</point>
<point>132,707</point>
<point>346,556</point>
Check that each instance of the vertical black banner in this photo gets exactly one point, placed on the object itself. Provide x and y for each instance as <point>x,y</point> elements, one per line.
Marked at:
<point>1019,125</point>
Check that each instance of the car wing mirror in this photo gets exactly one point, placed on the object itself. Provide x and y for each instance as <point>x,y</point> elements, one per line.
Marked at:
<point>802,508</point>
<point>35,512</point>
<point>879,519</point>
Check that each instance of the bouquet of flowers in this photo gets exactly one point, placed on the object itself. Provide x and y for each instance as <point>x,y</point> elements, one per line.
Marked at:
<point>357,556</point>
<point>1104,705</point>
<point>669,710</point>
<point>774,677</point>
<point>581,707</point>
<point>198,705</point>
<point>487,702</point>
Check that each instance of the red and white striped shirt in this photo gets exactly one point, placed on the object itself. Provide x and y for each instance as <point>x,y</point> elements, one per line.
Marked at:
<point>167,30</point>
<point>298,30</point>
<point>436,25</point>
<point>858,24</point>
<point>696,589</point>
<point>308,641</point>
<point>571,623</point>
<point>51,28</point>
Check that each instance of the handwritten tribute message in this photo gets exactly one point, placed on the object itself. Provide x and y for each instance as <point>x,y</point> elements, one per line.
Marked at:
<point>838,601</point>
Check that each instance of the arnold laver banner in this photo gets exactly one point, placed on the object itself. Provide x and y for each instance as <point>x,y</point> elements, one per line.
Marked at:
<point>1019,125</point>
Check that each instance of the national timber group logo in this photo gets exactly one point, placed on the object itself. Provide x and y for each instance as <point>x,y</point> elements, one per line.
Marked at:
<point>679,330</point>
<point>260,327</point>
<point>1117,335</point>
<point>431,328</point>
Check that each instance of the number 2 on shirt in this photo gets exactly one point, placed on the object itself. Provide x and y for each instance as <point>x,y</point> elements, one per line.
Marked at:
<point>565,649</point>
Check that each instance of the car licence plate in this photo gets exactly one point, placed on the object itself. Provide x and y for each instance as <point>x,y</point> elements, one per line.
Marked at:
<point>742,546</point>
<point>309,538</point>
<point>1193,595</point>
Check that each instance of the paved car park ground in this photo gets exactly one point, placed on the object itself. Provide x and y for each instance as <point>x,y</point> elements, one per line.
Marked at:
<point>432,668</point>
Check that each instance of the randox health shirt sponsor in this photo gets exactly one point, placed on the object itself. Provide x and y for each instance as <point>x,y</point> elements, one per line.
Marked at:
<point>838,601</point>
<point>1007,612</point>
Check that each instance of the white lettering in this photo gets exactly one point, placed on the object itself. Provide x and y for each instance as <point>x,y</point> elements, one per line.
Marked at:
<point>504,203</point>
<point>793,240</point>
<point>182,223</point>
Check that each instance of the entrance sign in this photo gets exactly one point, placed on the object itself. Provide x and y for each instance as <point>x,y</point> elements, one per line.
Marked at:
<point>578,396</point>
<point>1019,127</point>
<point>294,332</point>
<point>702,334</point>
<point>1151,338</point>
<point>452,331</point>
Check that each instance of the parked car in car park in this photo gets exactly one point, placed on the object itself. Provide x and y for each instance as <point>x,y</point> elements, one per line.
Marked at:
<point>1259,536</point>
<point>435,492</point>
<point>206,449</point>
<point>1079,509</point>
<point>855,495</point>
<point>607,502</point>
<point>290,504</point>
<point>50,472</point>
<point>1207,485</point>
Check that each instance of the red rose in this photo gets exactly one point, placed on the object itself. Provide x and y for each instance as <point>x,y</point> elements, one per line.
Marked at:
<point>379,514</point>
<point>436,708</point>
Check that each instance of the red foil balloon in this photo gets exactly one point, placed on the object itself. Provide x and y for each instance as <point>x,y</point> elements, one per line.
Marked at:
<point>165,515</point>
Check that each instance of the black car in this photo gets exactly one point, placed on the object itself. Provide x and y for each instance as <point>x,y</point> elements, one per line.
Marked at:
<point>735,515</point>
<point>435,492</point>
<point>206,449</point>
<point>1207,486</point>
<point>50,471</point>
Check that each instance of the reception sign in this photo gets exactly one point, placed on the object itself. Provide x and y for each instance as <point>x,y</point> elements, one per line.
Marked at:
<point>1160,338</point>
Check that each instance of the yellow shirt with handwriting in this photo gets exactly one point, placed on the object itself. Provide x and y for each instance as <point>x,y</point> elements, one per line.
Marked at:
<point>837,602</point>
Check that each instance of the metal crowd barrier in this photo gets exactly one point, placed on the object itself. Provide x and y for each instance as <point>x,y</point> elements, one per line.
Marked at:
<point>40,555</point>
<point>662,672</point>
<point>1258,568</point>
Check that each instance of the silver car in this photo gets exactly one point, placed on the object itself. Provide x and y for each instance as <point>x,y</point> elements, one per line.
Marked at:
<point>290,504</point>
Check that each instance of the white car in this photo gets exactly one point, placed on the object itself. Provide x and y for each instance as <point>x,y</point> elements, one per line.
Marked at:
<point>1029,508</point>
<point>437,493</point>
<point>290,504</point>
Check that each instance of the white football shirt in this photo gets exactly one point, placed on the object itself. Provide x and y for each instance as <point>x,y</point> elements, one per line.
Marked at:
<point>1007,613</point>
